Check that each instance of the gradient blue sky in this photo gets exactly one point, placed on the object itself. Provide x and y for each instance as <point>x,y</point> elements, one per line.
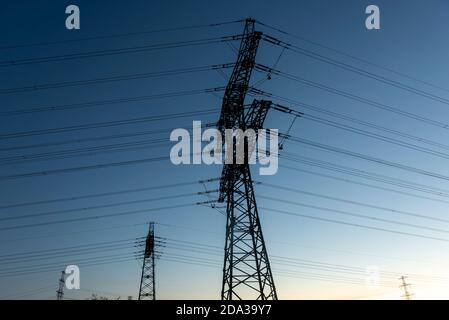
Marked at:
<point>412,40</point>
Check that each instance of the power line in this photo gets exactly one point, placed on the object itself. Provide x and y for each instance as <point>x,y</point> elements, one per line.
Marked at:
<point>352,214</point>
<point>360,183</point>
<point>191,261</point>
<point>125,50</point>
<point>340,52</point>
<point>91,253</point>
<point>369,158</point>
<point>40,268</point>
<point>82,168</point>
<point>86,151</point>
<point>67,249</point>
<point>360,122</point>
<point>183,245</point>
<point>125,213</point>
<point>358,203</point>
<point>119,35</point>
<point>308,264</point>
<point>116,78</point>
<point>98,138</point>
<point>366,174</point>
<point>299,275</point>
<point>96,195</point>
<point>70,255</point>
<point>171,258</point>
<point>354,97</point>
<point>179,244</point>
<point>68,234</point>
<point>357,225</point>
<point>98,262</point>
<point>351,68</point>
<point>214,250</point>
<point>98,103</point>
<point>302,246</point>
<point>214,263</point>
<point>375,136</point>
<point>21,295</point>
<point>102,206</point>
<point>108,124</point>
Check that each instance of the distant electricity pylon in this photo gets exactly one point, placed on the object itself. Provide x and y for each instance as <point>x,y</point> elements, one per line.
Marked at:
<point>147,282</point>
<point>60,292</point>
<point>246,271</point>
<point>405,287</point>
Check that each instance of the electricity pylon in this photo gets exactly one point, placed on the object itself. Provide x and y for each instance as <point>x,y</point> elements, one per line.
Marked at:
<point>60,292</point>
<point>147,282</point>
<point>246,270</point>
<point>404,286</point>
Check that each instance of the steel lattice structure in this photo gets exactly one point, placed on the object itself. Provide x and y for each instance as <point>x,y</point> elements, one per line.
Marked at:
<point>246,271</point>
<point>60,291</point>
<point>147,282</point>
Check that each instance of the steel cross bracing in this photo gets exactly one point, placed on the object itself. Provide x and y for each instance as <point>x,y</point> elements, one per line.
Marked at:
<point>147,282</point>
<point>246,271</point>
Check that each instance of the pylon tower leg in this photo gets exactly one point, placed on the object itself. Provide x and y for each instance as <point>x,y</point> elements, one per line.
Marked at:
<point>147,282</point>
<point>247,272</point>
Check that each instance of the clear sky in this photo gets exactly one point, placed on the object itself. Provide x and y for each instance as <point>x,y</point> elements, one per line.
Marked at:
<point>311,258</point>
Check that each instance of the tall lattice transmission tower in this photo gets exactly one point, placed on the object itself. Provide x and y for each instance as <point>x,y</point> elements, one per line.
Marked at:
<point>405,286</point>
<point>60,291</point>
<point>246,271</point>
<point>147,282</point>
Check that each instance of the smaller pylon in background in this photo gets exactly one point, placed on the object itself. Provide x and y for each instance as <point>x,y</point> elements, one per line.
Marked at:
<point>60,292</point>
<point>147,282</point>
<point>405,287</point>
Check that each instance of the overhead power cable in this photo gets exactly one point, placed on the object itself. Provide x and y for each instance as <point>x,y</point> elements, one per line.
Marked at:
<point>97,195</point>
<point>362,132</point>
<point>216,250</point>
<point>352,214</point>
<point>115,78</point>
<point>84,210</point>
<point>125,213</point>
<point>108,124</point>
<point>97,103</point>
<point>345,180</point>
<point>85,151</point>
<point>358,203</point>
<point>118,51</point>
<point>357,225</point>
<point>97,138</point>
<point>372,125</point>
<point>119,35</point>
<point>68,248</point>
<point>352,56</point>
<point>376,136</point>
<point>354,69</point>
<point>354,97</point>
<point>367,174</point>
<point>82,168</point>
<point>369,158</point>
<point>13,263</point>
